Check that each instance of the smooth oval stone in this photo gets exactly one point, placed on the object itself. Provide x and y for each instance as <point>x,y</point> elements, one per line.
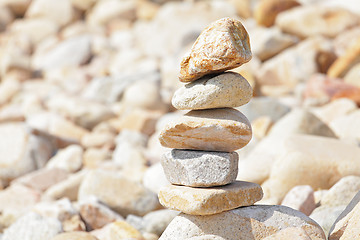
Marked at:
<point>225,90</point>
<point>207,201</point>
<point>224,129</point>
<point>223,45</point>
<point>200,168</point>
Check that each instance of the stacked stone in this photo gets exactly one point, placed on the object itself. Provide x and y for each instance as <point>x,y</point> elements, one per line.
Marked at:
<point>202,166</point>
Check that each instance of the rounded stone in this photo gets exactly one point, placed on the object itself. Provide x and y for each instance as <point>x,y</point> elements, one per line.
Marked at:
<point>225,90</point>
<point>224,129</point>
<point>223,45</point>
<point>207,201</point>
<point>74,236</point>
<point>200,168</point>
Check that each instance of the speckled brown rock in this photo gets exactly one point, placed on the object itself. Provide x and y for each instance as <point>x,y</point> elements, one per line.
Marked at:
<point>200,168</point>
<point>207,201</point>
<point>225,90</point>
<point>224,129</point>
<point>253,222</point>
<point>267,10</point>
<point>221,46</point>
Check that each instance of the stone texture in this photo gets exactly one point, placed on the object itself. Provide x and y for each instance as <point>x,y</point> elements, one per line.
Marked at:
<point>209,130</point>
<point>254,222</point>
<point>346,225</point>
<point>293,233</point>
<point>33,226</point>
<point>155,178</point>
<point>326,216</point>
<point>327,21</point>
<point>347,127</point>
<point>68,159</point>
<point>223,45</point>
<point>300,198</point>
<point>207,201</point>
<point>120,194</point>
<point>329,161</point>
<point>266,11</point>
<point>157,221</point>
<point>96,214</point>
<point>353,75</point>
<point>200,168</point>
<point>74,236</point>
<point>228,89</point>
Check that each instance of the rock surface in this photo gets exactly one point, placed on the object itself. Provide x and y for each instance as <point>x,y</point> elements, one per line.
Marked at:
<point>254,222</point>
<point>221,46</point>
<point>210,130</point>
<point>207,201</point>
<point>228,89</point>
<point>200,168</point>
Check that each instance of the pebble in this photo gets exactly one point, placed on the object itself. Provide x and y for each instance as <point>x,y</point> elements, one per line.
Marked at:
<point>120,194</point>
<point>326,21</point>
<point>329,161</point>
<point>293,233</point>
<point>33,226</point>
<point>347,127</point>
<point>200,168</point>
<point>68,159</point>
<point>209,130</point>
<point>223,45</point>
<point>266,11</point>
<point>228,89</point>
<point>300,198</point>
<point>207,201</point>
<point>253,222</point>
<point>154,178</point>
<point>74,236</point>
<point>326,216</point>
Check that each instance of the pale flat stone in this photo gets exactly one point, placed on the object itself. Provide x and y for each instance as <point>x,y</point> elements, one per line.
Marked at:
<point>68,159</point>
<point>74,236</point>
<point>207,201</point>
<point>223,45</point>
<point>326,216</point>
<point>300,198</point>
<point>209,130</point>
<point>228,89</point>
<point>200,168</point>
<point>253,222</point>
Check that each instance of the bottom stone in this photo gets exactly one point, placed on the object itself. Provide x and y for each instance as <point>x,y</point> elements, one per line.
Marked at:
<point>207,201</point>
<point>254,222</point>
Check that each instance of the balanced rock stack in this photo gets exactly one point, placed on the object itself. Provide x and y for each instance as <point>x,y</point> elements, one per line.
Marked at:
<point>203,166</point>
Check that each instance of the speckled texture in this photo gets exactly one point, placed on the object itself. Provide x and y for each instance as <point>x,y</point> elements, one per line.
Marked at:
<point>221,46</point>
<point>225,90</point>
<point>253,222</point>
<point>224,129</point>
<point>207,201</point>
<point>200,168</point>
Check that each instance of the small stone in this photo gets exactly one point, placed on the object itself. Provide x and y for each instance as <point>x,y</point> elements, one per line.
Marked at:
<point>33,226</point>
<point>207,201</point>
<point>74,236</point>
<point>200,168</point>
<point>123,230</point>
<point>300,198</point>
<point>96,214</point>
<point>228,89</point>
<point>347,126</point>
<point>261,126</point>
<point>68,159</point>
<point>67,188</point>
<point>253,222</point>
<point>344,63</point>
<point>209,130</point>
<point>342,192</point>
<point>267,10</point>
<point>154,178</point>
<point>157,221</point>
<point>221,46</point>
<point>326,216</point>
<point>326,21</point>
<point>43,178</point>
<point>120,194</point>
<point>353,75</point>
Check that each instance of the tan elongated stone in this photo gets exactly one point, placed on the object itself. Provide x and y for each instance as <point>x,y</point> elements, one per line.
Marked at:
<point>225,90</point>
<point>200,168</point>
<point>224,129</point>
<point>207,201</point>
<point>221,46</point>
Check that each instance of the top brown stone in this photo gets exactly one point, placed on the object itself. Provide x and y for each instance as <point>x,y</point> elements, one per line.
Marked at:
<point>221,46</point>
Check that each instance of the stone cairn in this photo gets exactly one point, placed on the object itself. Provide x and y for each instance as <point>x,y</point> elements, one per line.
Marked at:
<point>202,166</point>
